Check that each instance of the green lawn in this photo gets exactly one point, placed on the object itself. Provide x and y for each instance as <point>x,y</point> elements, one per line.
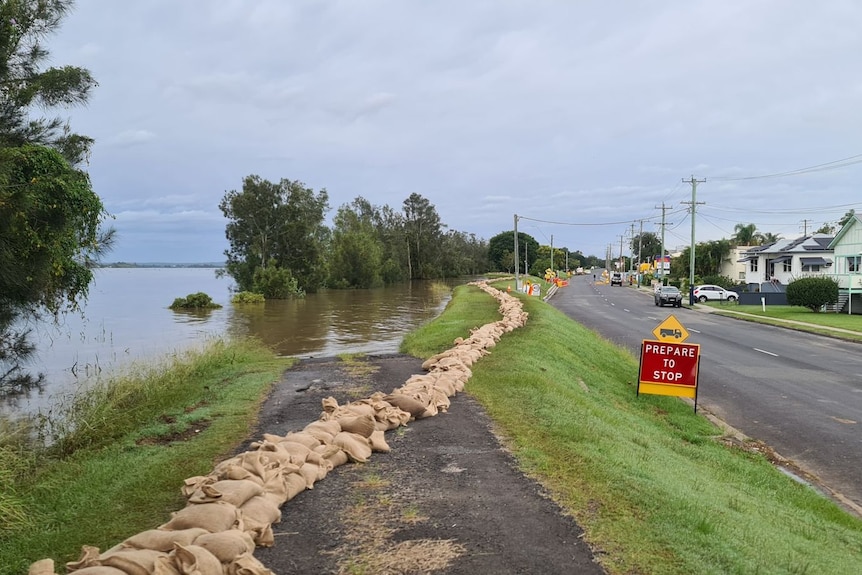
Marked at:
<point>654,486</point>
<point>782,315</point>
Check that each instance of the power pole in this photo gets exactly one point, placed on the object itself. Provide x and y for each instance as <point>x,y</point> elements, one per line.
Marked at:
<point>620,267</point>
<point>517,263</point>
<point>664,209</point>
<point>552,253</point>
<point>632,250</point>
<point>694,204</point>
<point>805,227</point>
<point>640,249</point>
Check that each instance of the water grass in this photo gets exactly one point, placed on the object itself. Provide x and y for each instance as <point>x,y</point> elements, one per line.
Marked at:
<point>653,484</point>
<point>112,458</point>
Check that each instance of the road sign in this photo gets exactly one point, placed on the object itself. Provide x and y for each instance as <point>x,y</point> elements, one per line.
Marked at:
<point>670,330</point>
<point>669,369</point>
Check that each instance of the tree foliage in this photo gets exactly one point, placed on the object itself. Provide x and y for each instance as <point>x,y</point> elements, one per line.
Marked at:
<point>812,292</point>
<point>849,215</point>
<point>708,257</point>
<point>649,245</point>
<point>24,24</point>
<point>502,246</point>
<point>276,225</point>
<point>745,235</point>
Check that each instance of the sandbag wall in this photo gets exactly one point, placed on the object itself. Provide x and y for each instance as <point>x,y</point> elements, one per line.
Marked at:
<point>231,511</point>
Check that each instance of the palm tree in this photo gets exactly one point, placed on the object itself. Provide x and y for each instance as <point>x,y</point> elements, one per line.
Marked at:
<point>767,238</point>
<point>745,235</point>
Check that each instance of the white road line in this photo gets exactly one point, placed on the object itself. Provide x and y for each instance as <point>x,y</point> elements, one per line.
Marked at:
<point>626,310</point>
<point>694,330</point>
<point>766,352</point>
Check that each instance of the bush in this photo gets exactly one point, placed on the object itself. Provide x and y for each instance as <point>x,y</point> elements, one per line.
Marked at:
<point>198,300</point>
<point>247,297</point>
<point>812,292</point>
<point>722,281</point>
<point>276,283</point>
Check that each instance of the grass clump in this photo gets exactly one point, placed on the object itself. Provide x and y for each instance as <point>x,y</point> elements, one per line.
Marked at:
<point>109,462</point>
<point>652,483</point>
<point>198,300</point>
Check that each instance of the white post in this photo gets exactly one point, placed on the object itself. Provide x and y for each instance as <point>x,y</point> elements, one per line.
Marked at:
<point>763,304</point>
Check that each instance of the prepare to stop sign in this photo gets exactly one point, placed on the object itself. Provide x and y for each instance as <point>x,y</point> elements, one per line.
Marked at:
<point>666,367</point>
<point>669,363</point>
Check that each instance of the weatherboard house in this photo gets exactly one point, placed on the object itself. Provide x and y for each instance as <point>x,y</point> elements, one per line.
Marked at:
<point>847,251</point>
<point>769,268</point>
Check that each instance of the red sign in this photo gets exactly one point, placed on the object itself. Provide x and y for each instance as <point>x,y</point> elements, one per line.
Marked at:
<point>669,363</point>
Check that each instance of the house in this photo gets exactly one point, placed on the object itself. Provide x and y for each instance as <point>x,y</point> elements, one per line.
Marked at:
<point>847,249</point>
<point>732,266</point>
<point>771,267</point>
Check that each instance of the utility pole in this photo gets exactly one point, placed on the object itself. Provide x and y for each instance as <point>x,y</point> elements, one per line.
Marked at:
<point>640,249</point>
<point>805,227</point>
<point>664,209</point>
<point>620,267</point>
<point>694,204</point>
<point>552,253</point>
<point>632,250</point>
<point>517,263</point>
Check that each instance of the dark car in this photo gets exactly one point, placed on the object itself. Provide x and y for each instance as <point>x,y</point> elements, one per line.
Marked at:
<point>616,279</point>
<point>668,295</point>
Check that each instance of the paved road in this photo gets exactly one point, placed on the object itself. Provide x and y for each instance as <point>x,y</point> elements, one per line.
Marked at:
<point>799,393</point>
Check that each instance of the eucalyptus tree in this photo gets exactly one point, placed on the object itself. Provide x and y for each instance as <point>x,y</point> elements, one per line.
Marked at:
<point>423,230</point>
<point>646,246</point>
<point>356,249</point>
<point>275,229</point>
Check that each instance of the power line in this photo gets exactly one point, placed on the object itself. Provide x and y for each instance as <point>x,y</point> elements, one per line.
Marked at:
<point>833,165</point>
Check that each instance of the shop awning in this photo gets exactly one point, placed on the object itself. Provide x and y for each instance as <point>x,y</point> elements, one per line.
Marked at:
<point>780,259</point>
<point>815,262</point>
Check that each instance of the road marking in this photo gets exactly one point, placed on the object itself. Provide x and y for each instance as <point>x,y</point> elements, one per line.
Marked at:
<point>694,330</point>
<point>766,352</point>
<point>626,310</point>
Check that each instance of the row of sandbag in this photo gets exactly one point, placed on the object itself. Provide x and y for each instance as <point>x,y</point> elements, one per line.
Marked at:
<point>232,509</point>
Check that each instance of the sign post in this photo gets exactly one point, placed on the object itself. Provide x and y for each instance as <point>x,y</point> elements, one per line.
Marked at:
<point>668,366</point>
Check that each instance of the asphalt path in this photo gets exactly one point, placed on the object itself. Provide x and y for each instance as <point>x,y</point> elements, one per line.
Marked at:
<point>799,393</point>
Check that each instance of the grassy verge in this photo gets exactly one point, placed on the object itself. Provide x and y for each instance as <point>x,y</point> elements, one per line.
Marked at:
<point>784,315</point>
<point>653,485</point>
<point>119,452</point>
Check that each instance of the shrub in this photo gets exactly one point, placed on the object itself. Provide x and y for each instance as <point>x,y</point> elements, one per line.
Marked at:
<point>722,281</point>
<point>247,297</point>
<point>198,300</point>
<point>276,283</point>
<point>812,292</point>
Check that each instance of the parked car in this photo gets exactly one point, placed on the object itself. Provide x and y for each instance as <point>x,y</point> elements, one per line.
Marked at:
<point>712,292</point>
<point>668,295</point>
<point>617,279</point>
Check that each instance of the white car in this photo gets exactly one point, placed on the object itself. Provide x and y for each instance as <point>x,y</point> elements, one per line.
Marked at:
<point>713,293</point>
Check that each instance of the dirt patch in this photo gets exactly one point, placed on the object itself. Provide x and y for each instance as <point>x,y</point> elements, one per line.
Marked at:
<point>447,499</point>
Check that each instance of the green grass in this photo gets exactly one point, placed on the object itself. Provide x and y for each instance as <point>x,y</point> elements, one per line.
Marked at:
<point>654,488</point>
<point>121,451</point>
<point>782,314</point>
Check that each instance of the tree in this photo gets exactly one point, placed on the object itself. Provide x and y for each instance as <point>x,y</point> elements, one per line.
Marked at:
<point>708,257</point>
<point>23,26</point>
<point>423,229</point>
<point>826,228</point>
<point>745,235</point>
<point>504,242</point>
<point>767,238</point>
<point>50,217</point>
<point>849,215</point>
<point>278,225</point>
<point>649,245</point>
<point>356,251</point>
<point>812,292</point>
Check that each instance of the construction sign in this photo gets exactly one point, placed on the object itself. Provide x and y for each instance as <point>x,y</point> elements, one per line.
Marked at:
<point>668,367</point>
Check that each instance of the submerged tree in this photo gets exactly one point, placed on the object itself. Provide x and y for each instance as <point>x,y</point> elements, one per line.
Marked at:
<point>276,234</point>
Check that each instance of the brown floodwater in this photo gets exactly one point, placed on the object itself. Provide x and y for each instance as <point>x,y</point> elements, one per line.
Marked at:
<point>126,320</point>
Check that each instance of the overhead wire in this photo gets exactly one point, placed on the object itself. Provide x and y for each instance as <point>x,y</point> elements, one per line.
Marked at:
<point>833,165</point>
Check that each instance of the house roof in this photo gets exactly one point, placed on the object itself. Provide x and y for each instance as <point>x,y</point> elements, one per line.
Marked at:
<point>815,262</point>
<point>854,220</point>
<point>805,244</point>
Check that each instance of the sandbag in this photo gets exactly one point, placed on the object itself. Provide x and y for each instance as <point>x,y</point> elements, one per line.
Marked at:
<point>305,439</point>
<point>406,403</point>
<point>163,539</point>
<point>227,546</point>
<point>247,565</point>
<point>235,491</point>
<point>42,567</point>
<point>359,424</point>
<point>378,442</point>
<point>133,561</point>
<point>213,517</point>
<point>259,513</point>
<point>195,560</point>
<point>357,447</point>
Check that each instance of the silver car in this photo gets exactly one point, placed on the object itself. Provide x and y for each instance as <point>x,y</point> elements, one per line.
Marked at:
<point>665,295</point>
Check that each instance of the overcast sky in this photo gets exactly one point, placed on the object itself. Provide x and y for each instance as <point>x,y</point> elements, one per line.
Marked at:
<point>572,112</point>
